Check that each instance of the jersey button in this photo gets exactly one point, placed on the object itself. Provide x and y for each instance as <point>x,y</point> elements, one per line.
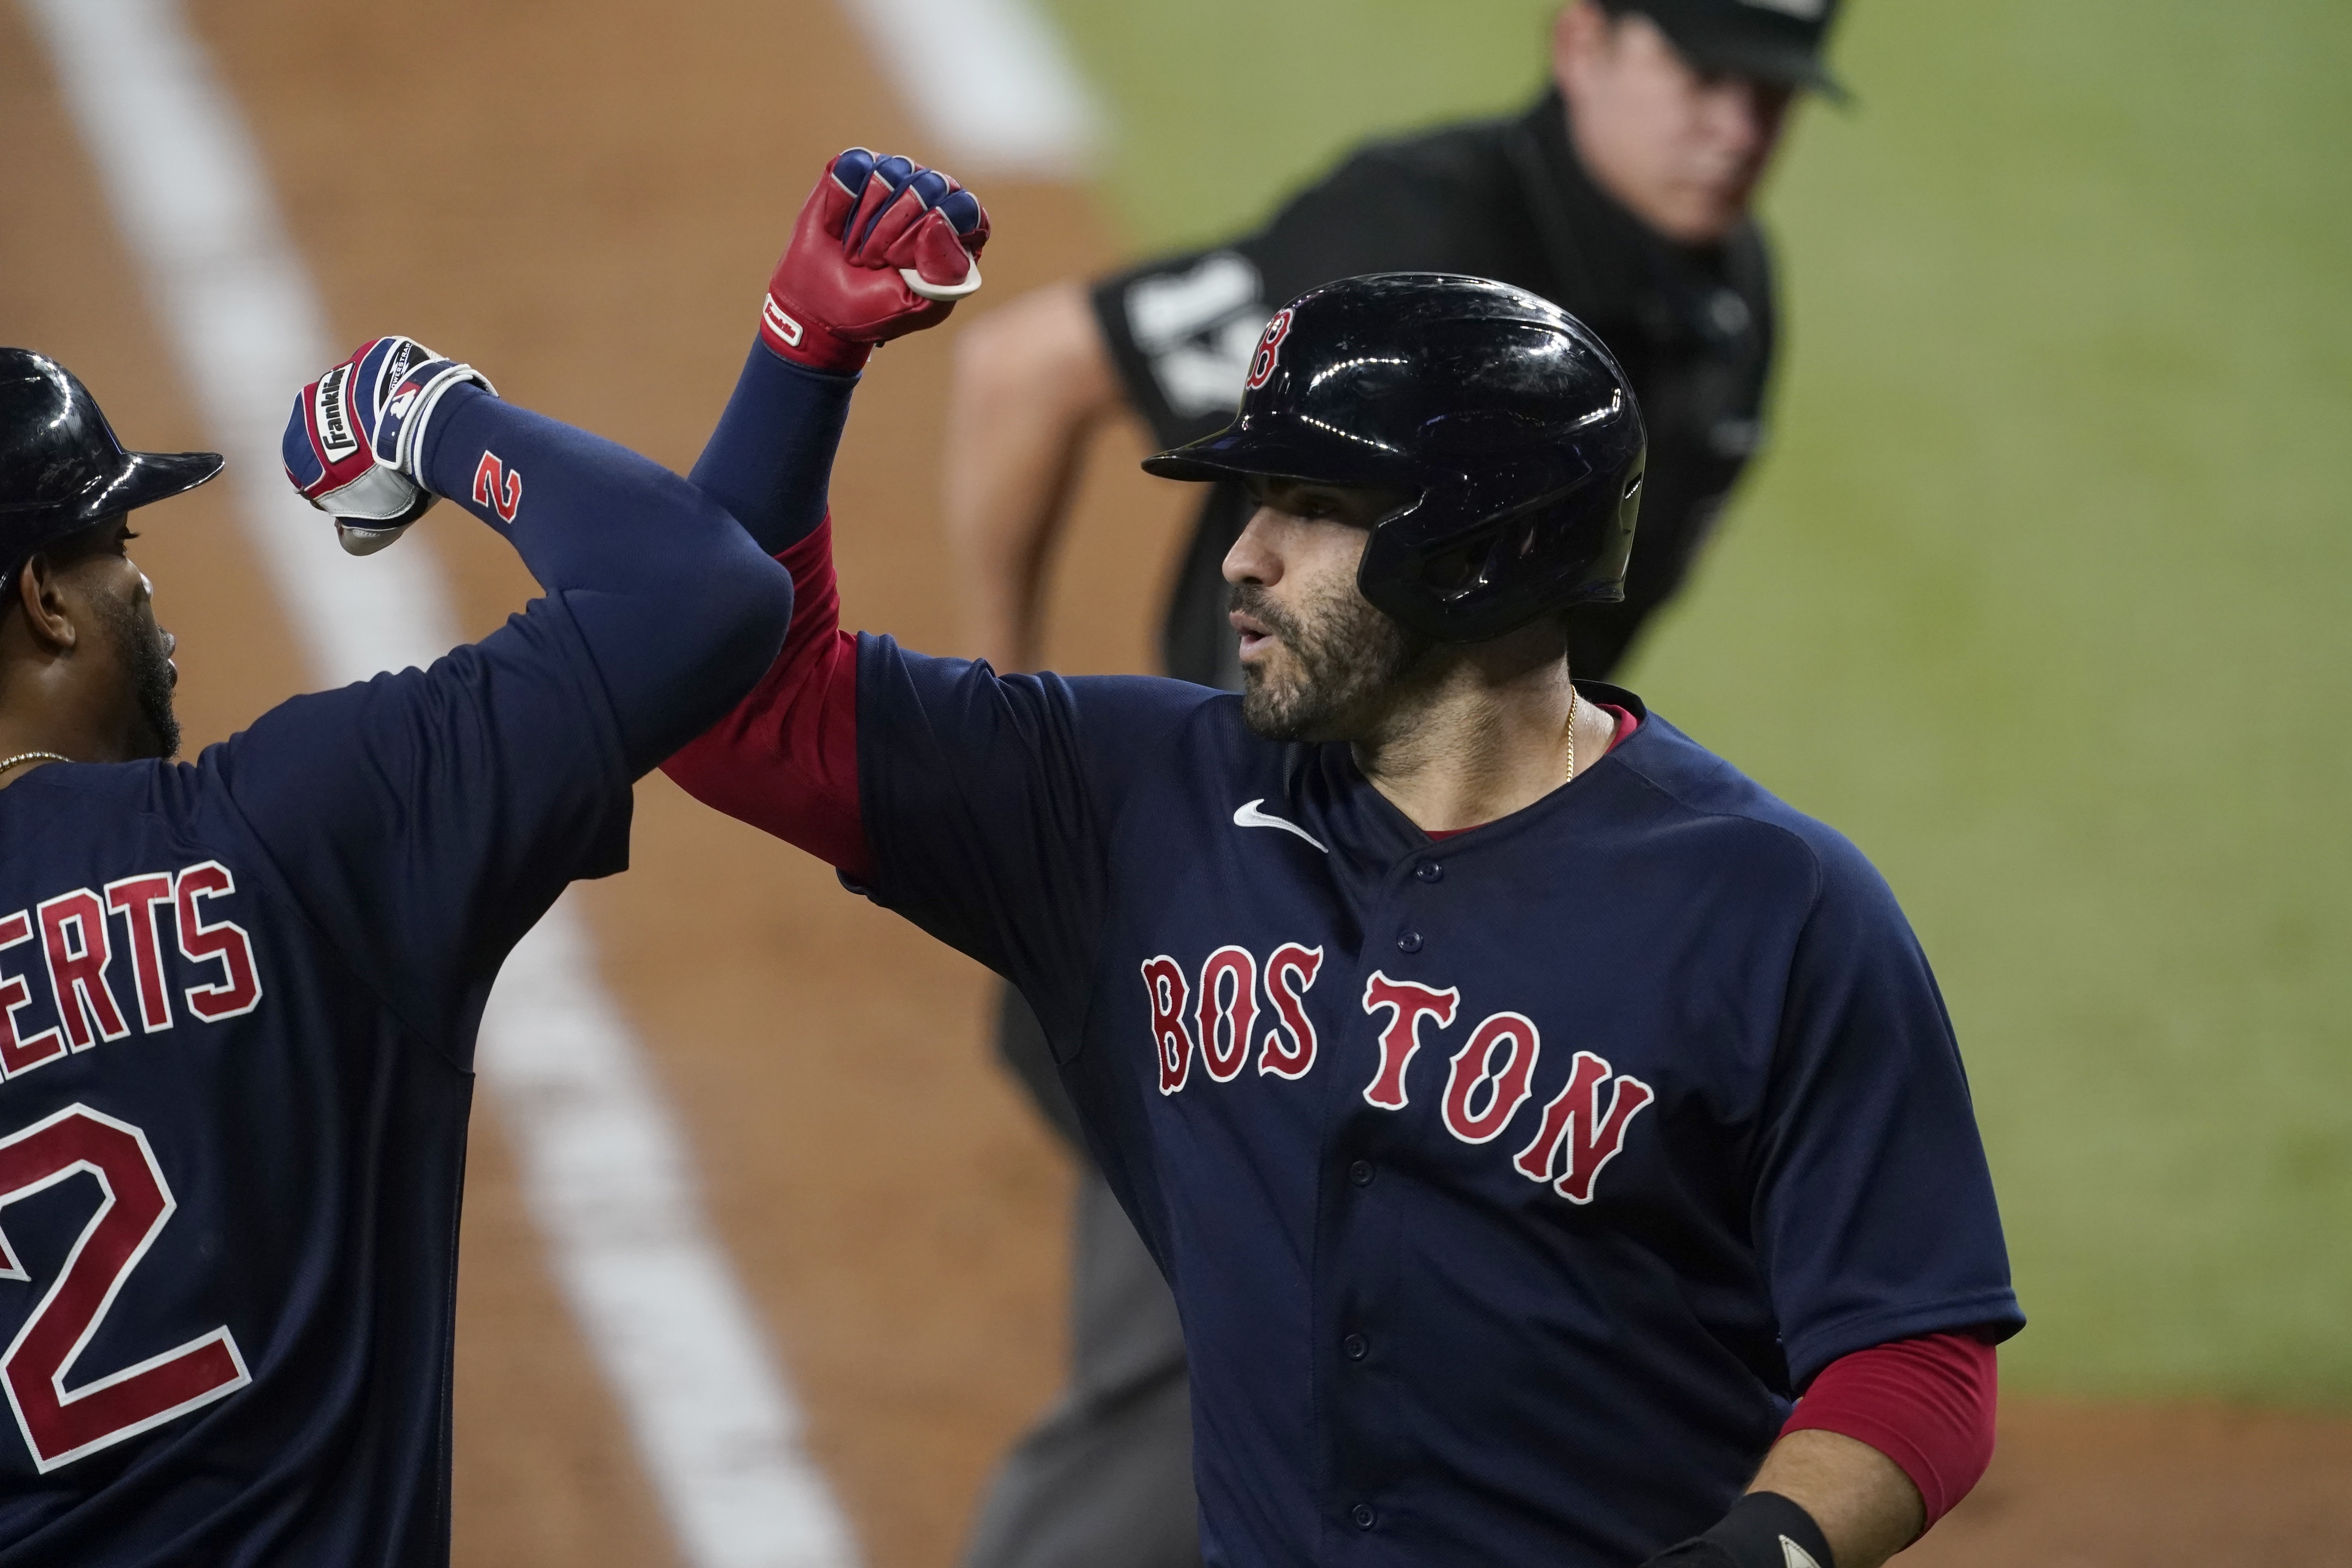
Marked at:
<point>1409,942</point>
<point>1428,871</point>
<point>1360,1172</point>
<point>1353,1347</point>
<point>1363,1515</point>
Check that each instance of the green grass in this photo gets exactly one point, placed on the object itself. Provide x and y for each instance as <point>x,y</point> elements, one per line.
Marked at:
<point>2041,593</point>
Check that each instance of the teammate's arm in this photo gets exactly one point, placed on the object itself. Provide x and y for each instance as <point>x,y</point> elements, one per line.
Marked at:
<point>427,818</point>
<point>677,607</point>
<point>1030,382</point>
<point>619,540</point>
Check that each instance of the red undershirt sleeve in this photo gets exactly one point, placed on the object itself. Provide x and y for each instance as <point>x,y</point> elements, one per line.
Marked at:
<point>1927,1404</point>
<point>785,760</point>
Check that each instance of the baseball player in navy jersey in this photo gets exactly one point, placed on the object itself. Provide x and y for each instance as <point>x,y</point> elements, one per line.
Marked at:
<point>238,997</point>
<point>1525,1109</point>
<point>1623,194</point>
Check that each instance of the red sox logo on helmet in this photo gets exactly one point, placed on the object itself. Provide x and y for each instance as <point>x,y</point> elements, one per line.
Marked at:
<point>1269,349</point>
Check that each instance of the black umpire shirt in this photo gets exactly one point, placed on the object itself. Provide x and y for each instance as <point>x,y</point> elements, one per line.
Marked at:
<point>1504,199</point>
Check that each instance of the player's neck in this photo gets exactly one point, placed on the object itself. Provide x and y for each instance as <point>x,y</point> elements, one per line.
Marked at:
<point>42,710</point>
<point>1486,736</point>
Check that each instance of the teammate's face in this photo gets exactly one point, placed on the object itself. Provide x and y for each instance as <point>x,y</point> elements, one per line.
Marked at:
<point>1318,659</point>
<point>130,675</point>
<point>144,651</point>
<point>1681,148</point>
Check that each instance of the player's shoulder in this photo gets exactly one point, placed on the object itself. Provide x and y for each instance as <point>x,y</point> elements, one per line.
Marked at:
<point>1112,722</point>
<point>1723,812</point>
<point>115,792</point>
<point>95,823</point>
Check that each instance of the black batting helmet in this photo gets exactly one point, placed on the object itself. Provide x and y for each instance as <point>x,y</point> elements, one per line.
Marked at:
<point>1505,419</point>
<point>61,469</point>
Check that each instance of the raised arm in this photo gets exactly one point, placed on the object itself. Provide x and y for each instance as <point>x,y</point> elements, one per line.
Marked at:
<point>427,817</point>
<point>623,543</point>
<point>785,760</point>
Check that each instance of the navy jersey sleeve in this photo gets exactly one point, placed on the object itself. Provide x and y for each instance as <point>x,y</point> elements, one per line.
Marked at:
<point>988,800</point>
<point>1874,1217</point>
<point>426,819</point>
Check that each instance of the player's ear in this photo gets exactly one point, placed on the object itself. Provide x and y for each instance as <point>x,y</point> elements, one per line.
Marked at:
<point>1576,35</point>
<point>51,610</point>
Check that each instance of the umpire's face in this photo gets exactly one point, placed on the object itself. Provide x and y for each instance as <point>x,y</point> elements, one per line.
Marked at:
<point>1318,662</point>
<point>1682,148</point>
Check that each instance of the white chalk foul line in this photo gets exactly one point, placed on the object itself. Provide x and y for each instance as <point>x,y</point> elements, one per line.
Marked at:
<point>990,79</point>
<point>605,1169</point>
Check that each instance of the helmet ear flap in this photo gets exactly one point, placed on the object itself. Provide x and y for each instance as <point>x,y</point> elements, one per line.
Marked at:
<point>1566,545</point>
<point>1481,560</point>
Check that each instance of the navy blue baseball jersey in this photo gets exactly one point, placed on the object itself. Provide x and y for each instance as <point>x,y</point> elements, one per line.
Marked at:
<point>1510,1185</point>
<point>238,1000</point>
<point>232,1129</point>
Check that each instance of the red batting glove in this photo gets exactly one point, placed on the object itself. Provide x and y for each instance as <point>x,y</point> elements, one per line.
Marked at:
<point>883,248</point>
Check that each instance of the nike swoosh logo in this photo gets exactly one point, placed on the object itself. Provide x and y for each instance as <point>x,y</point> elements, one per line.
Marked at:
<point>1796,1556</point>
<point>1251,816</point>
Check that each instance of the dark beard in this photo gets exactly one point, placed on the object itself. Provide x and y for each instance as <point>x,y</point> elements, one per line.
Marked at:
<point>141,646</point>
<point>1344,655</point>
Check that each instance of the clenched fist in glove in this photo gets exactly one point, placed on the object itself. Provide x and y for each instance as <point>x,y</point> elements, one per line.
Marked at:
<point>883,248</point>
<point>356,442</point>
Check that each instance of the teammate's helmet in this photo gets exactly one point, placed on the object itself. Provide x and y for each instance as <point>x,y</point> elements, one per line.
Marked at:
<point>1504,417</point>
<point>61,467</point>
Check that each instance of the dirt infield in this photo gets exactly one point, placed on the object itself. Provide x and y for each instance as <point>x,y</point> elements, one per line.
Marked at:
<point>584,199</point>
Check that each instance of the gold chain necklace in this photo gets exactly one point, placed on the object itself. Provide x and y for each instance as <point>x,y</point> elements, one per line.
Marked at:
<point>1571,737</point>
<point>8,763</point>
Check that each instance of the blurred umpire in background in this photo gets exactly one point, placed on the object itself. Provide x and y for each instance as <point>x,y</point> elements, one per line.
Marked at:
<point>1623,194</point>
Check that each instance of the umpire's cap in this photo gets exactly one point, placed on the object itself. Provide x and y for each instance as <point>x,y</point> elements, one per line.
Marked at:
<point>1772,40</point>
<point>61,469</point>
<point>1504,417</point>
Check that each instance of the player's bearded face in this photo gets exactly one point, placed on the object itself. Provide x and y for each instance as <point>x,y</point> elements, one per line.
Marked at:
<point>1333,660</point>
<point>134,676</point>
<point>144,652</point>
<point>1318,663</point>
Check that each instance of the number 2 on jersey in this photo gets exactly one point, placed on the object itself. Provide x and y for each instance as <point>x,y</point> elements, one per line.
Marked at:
<point>60,1427</point>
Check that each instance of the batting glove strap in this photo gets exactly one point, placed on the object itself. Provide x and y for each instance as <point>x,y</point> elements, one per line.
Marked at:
<point>408,413</point>
<point>798,336</point>
<point>1763,1530</point>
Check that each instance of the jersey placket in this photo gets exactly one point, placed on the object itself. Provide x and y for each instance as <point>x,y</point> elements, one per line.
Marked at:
<point>1361,1299</point>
